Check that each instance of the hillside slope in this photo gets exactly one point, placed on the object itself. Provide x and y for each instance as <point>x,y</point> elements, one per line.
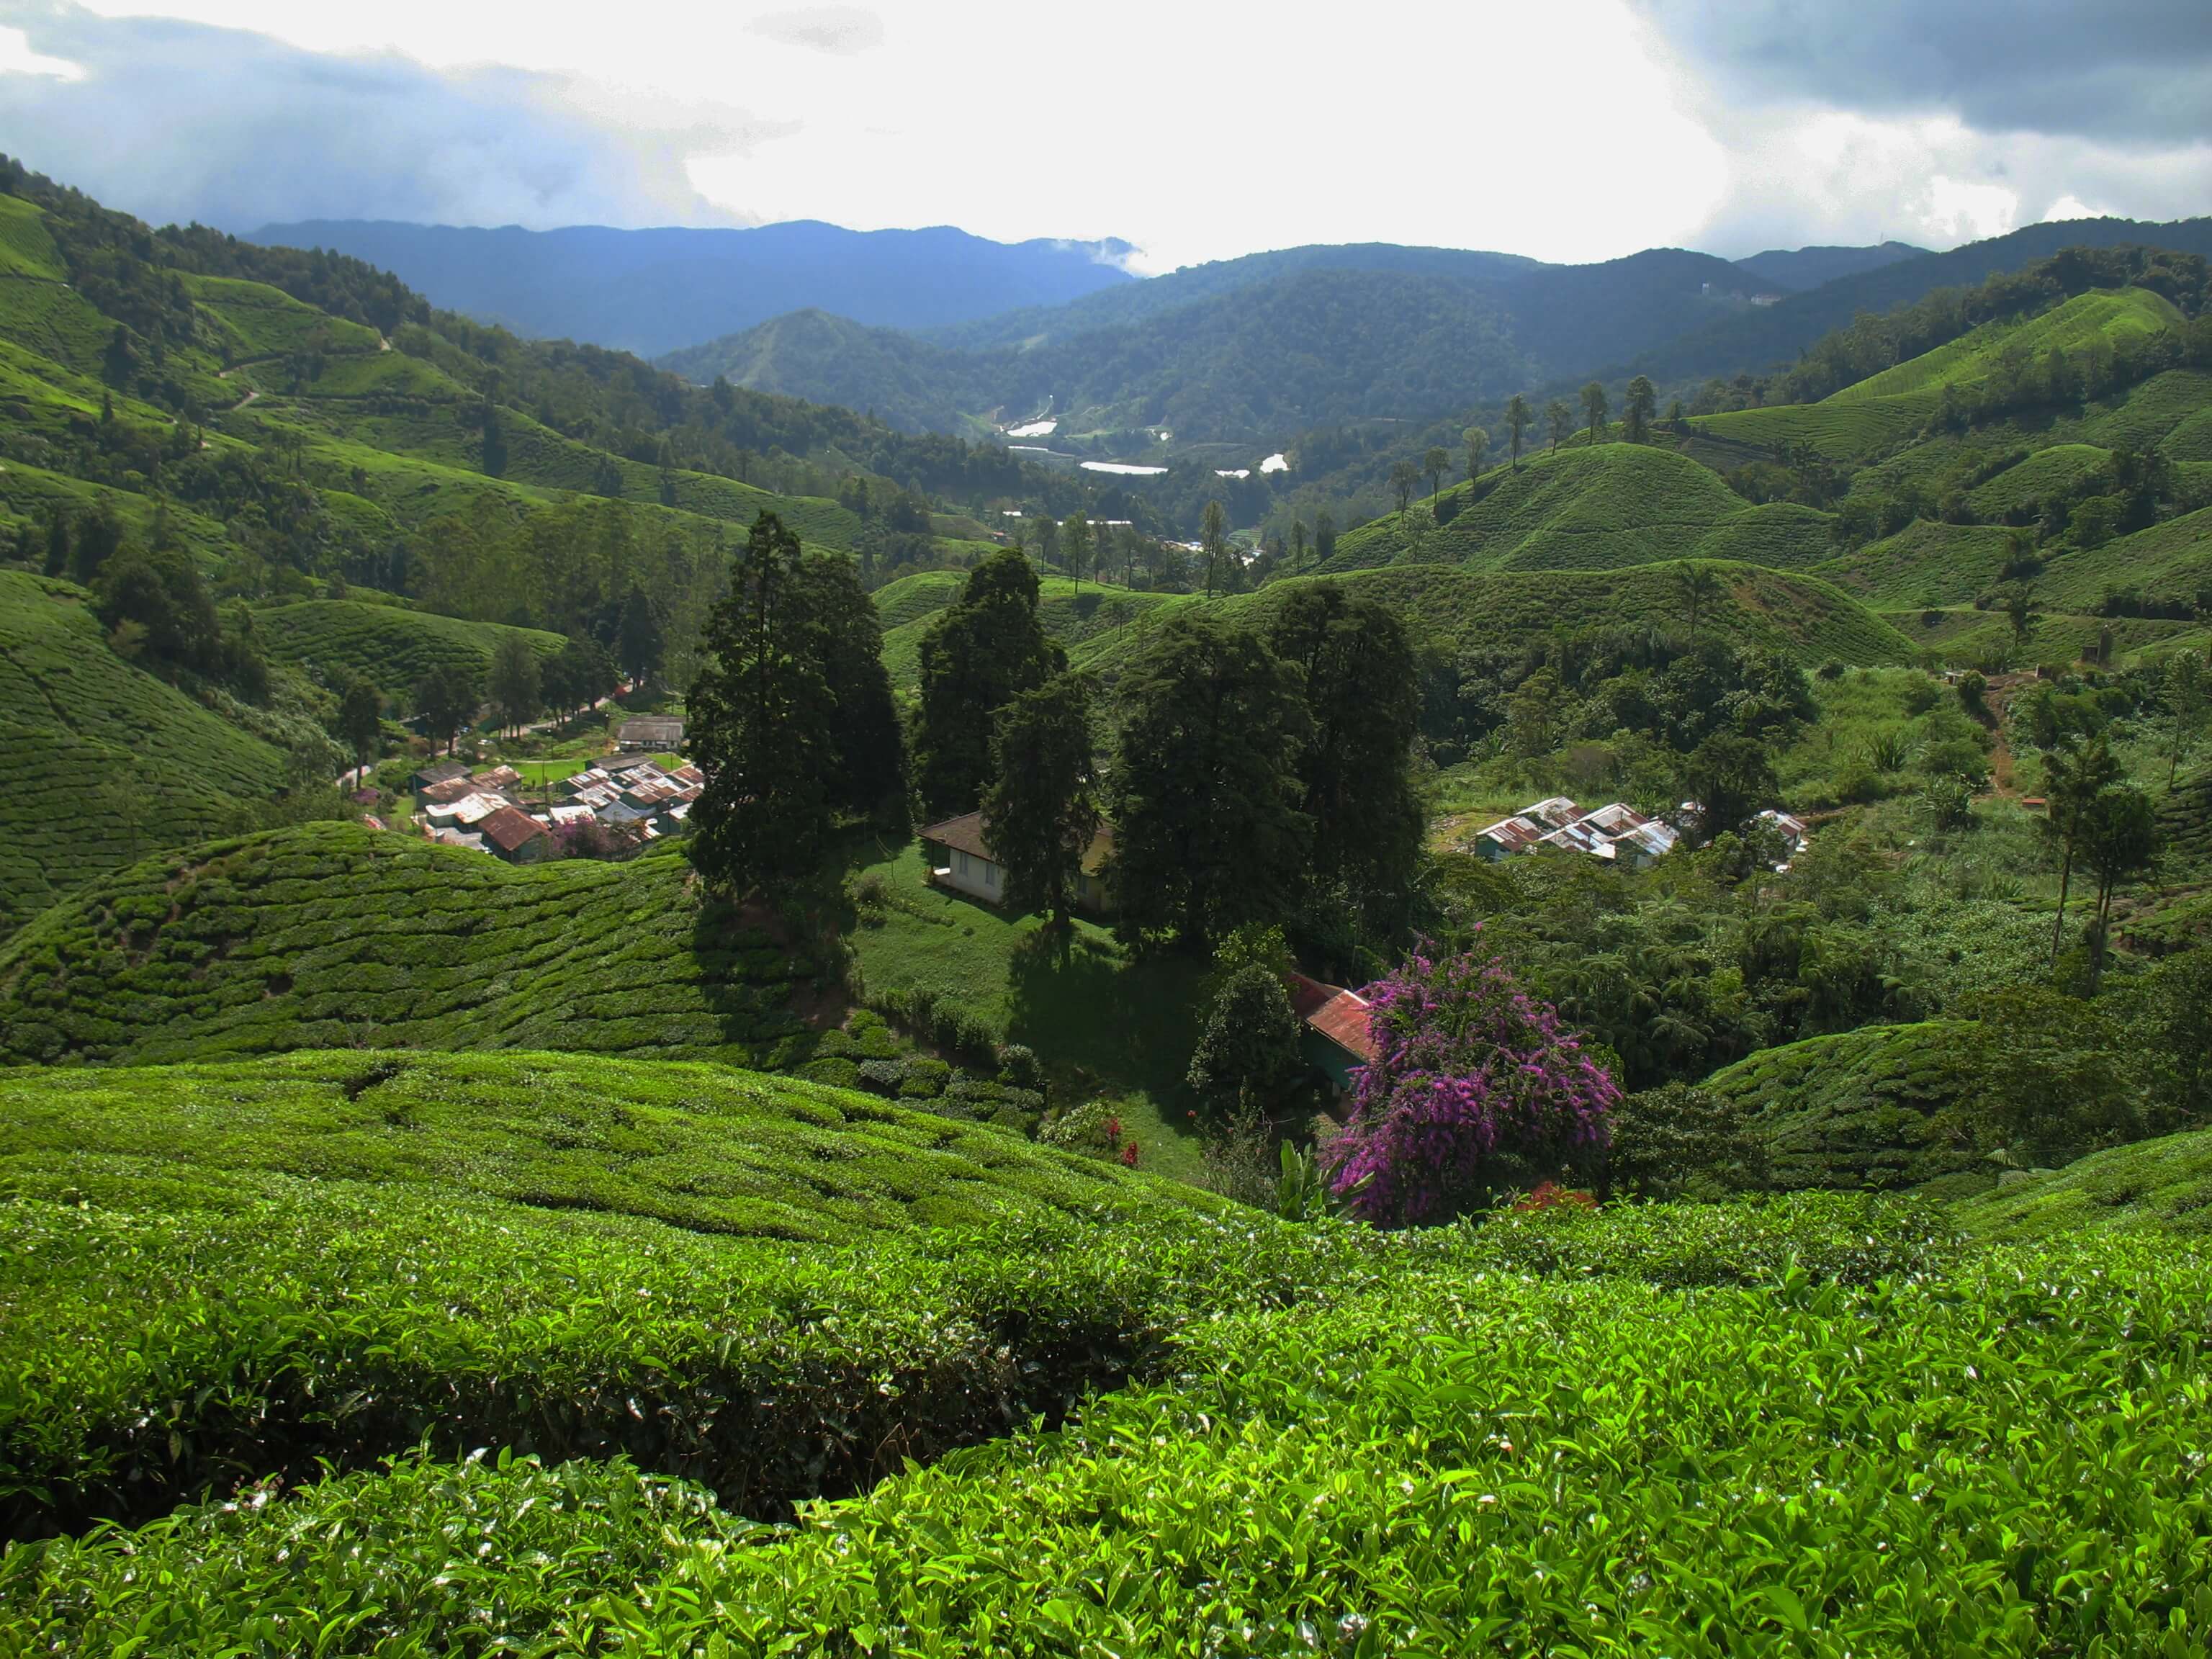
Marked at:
<point>105,762</point>
<point>336,639</point>
<point>1578,508</point>
<point>333,935</point>
<point>1805,619</point>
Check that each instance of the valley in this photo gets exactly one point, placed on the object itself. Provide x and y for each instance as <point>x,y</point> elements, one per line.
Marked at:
<point>1074,1139</point>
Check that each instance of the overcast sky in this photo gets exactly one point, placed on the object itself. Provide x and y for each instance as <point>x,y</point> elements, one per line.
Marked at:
<point>1569,130</point>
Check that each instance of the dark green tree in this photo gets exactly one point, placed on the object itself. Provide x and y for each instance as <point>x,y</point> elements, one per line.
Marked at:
<point>1075,546</point>
<point>1519,417</point>
<point>1204,792</point>
<point>1359,677</point>
<point>762,724</point>
<point>517,689</point>
<point>445,699</point>
<point>1561,420</point>
<point>1324,537</point>
<point>361,721</point>
<point>639,640</point>
<point>1248,1057</point>
<point>1637,413</point>
<point>1700,587</point>
<point>870,769</point>
<point>1435,464</point>
<point>1213,538</point>
<point>98,538</point>
<point>1731,779</point>
<point>1594,409</point>
<point>1478,445</point>
<point>1042,809</point>
<point>581,675</point>
<point>57,542</point>
<point>2120,841</point>
<point>2075,775</point>
<point>985,650</point>
<point>1405,478</point>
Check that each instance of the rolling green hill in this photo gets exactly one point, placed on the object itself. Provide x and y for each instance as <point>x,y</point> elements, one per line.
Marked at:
<point>2154,1186</point>
<point>338,639</point>
<point>106,761</point>
<point>1579,508</point>
<point>332,1258</point>
<point>1856,1110</point>
<point>1802,618</point>
<point>2103,320</point>
<point>908,605</point>
<point>333,935</point>
<point>696,1146</point>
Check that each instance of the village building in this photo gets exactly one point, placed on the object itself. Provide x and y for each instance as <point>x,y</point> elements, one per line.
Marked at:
<point>661,731</point>
<point>1616,833</point>
<point>960,858</point>
<point>1336,1037</point>
<point>514,835</point>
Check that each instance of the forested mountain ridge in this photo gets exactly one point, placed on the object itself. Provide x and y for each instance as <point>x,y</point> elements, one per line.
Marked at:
<point>652,291</point>
<point>1794,270</point>
<point>1309,342</point>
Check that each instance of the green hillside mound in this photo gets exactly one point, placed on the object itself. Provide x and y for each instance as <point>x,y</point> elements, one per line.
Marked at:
<point>1843,431</point>
<point>338,639</point>
<point>2146,414</point>
<point>2154,1186</point>
<point>2016,492</point>
<point>1858,1109</point>
<point>1581,509</point>
<point>2169,562</point>
<point>253,320</point>
<point>1780,535</point>
<point>1806,619</point>
<point>2190,440</point>
<point>333,935</point>
<point>2104,319</point>
<point>696,1146</point>
<point>104,762</point>
<point>342,1257</point>
<point>908,607</point>
<point>26,248</point>
<point>1926,563</point>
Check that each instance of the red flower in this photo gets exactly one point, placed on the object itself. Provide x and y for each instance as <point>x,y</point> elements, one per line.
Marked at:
<point>1113,1131</point>
<point>1130,1155</point>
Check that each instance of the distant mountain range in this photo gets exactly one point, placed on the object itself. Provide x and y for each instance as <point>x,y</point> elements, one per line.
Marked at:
<point>1794,269</point>
<point>652,291</point>
<point>936,331</point>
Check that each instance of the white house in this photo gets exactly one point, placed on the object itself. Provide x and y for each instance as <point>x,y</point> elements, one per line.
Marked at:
<point>960,858</point>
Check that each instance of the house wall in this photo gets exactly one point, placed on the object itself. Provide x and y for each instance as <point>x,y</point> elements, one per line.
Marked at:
<point>964,872</point>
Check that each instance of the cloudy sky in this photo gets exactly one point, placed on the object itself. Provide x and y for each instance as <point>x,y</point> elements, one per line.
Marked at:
<point>1197,128</point>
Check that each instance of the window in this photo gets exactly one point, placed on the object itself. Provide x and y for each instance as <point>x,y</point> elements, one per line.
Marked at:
<point>990,875</point>
<point>960,862</point>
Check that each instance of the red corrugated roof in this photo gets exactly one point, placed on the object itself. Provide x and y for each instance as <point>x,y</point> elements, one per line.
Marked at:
<point>1335,1013</point>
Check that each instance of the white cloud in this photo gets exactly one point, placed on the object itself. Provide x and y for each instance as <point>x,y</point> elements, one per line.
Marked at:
<point>1194,130</point>
<point>17,57</point>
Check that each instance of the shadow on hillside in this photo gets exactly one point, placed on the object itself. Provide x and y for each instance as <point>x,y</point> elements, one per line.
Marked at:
<point>1090,1011</point>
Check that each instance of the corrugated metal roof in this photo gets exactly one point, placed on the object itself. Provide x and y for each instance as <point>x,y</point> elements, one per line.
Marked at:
<point>1333,1012</point>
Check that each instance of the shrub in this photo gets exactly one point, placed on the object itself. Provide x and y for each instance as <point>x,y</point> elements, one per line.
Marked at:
<point>1249,1052</point>
<point>882,1077</point>
<point>925,1080</point>
<point>1476,1088</point>
<point>1019,1068</point>
<point>1677,1141</point>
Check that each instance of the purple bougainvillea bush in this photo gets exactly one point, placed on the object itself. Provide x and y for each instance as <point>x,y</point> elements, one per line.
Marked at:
<point>1475,1086</point>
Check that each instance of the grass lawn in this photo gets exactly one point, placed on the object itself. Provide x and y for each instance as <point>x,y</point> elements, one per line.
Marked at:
<point>1106,1026</point>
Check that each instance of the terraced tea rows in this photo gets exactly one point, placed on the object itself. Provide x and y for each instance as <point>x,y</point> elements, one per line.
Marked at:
<point>331,935</point>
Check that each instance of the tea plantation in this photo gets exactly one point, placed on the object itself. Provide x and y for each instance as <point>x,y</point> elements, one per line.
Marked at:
<point>1705,1430</point>
<point>105,760</point>
<point>333,935</point>
<point>338,639</point>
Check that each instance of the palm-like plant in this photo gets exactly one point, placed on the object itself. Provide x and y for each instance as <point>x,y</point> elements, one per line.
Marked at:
<point>1698,588</point>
